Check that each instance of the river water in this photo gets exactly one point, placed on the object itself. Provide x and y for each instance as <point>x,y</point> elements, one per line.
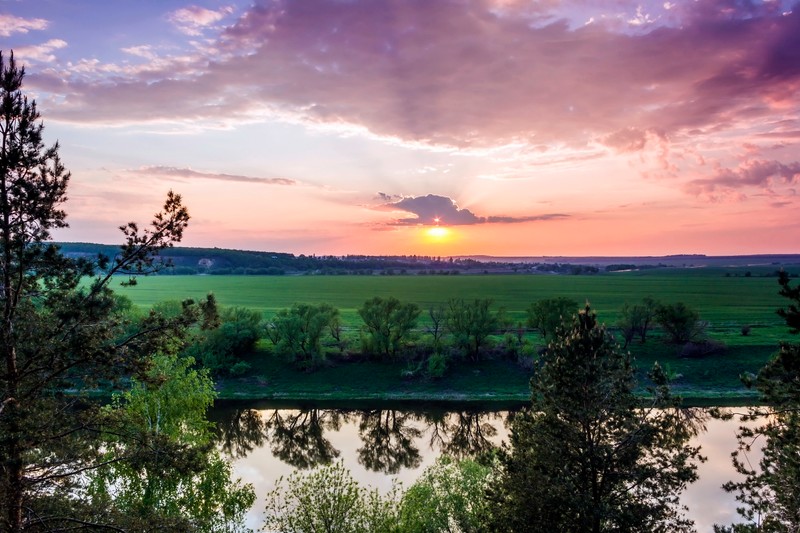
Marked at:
<point>383,445</point>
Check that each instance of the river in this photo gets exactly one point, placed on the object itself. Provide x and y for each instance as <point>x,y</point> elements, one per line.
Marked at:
<point>383,445</point>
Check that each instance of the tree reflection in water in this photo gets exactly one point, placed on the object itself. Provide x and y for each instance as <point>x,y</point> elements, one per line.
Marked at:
<point>238,431</point>
<point>297,438</point>
<point>463,433</point>
<point>389,437</point>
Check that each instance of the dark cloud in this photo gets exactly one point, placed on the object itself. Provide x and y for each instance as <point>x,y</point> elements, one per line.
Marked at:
<point>387,198</point>
<point>432,207</point>
<point>174,172</point>
<point>756,173</point>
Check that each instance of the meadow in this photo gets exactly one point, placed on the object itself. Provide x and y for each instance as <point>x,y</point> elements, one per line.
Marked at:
<point>725,298</point>
<point>720,300</point>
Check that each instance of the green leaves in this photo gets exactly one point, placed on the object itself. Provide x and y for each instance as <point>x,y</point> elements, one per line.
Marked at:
<point>388,324</point>
<point>328,500</point>
<point>586,456</point>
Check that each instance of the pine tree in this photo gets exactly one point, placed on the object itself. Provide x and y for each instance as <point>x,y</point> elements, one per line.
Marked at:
<point>770,492</point>
<point>61,336</point>
<point>588,456</point>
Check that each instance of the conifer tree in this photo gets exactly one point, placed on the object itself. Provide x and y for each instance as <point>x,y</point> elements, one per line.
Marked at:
<point>770,490</point>
<point>60,335</point>
<point>588,456</point>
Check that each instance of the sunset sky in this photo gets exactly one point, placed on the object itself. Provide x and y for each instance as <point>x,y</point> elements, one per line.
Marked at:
<point>349,126</point>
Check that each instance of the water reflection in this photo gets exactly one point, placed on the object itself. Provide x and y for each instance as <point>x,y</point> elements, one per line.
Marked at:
<point>239,431</point>
<point>388,437</point>
<point>298,439</point>
<point>387,440</point>
<point>463,433</point>
<point>266,444</point>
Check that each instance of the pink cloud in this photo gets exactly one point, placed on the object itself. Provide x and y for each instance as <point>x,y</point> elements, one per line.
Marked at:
<point>193,19</point>
<point>727,182</point>
<point>187,173</point>
<point>40,52</point>
<point>472,73</point>
<point>10,24</point>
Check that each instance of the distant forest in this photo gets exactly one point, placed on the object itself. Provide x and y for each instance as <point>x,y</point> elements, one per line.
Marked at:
<point>220,261</point>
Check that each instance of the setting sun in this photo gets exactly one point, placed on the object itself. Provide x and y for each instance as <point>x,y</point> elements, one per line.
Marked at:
<point>437,232</point>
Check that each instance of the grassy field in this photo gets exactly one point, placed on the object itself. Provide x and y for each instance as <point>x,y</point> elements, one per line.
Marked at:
<point>720,300</point>
<point>726,303</point>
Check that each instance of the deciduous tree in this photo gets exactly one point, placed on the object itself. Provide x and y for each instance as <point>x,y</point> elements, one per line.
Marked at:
<point>471,323</point>
<point>328,500</point>
<point>388,324</point>
<point>680,322</point>
<point>297,332</point>
<point>548,314</point>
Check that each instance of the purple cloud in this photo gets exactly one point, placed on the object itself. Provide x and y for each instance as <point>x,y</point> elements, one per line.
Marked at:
<point>660,80</point>
<point>754,173</point>
<point>435,209</point>
<point>469,73</point>
<point>187,173</point>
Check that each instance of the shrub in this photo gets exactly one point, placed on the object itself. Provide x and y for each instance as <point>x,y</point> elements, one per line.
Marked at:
<point>702,348</point>
<point>437,365</point>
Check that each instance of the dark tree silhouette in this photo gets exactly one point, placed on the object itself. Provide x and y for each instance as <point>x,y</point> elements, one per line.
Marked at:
<point>586,456</point>
<point>59,333</point>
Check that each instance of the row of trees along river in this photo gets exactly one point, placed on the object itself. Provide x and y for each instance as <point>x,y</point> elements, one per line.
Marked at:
<point>586,455</point>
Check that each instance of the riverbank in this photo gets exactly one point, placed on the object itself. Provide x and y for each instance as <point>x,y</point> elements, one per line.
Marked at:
<point>713,380</point>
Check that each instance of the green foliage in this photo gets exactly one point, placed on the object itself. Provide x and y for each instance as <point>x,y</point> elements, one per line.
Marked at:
<point>328,500</point>
<point>586,457</point>
<point>297,332</point>
<point>449,496</point>
<point>62,328</point>
<point>471,323</point>
<point>388,325</point>
<point>220,348</point>
<point>636,319</point>
<point>549,314</point>
<point>188,488</point>
<point>436,365</point>
<point>770,492</point>
<point>680,322</point>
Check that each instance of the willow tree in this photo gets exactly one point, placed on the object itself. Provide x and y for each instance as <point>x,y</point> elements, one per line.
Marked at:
<point>60,336</point>
<point>588,456</point>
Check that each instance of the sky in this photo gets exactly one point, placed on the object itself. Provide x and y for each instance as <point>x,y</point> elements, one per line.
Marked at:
<point>446,127</point>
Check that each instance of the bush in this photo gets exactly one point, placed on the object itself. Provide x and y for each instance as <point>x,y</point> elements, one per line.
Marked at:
<point>437,365</point>
<point>221,349</point>
<point>702,348</point>
<point>297,332</point>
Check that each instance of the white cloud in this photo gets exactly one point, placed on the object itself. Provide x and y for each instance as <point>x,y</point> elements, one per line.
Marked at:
<point>40,52</point>
<point>9,25</point>
<point>193,19</point>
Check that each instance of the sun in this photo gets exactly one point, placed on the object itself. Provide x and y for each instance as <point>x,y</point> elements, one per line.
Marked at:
<point>437,232</point>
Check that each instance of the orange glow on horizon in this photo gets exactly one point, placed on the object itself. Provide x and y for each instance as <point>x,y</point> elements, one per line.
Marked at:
<point>438,232</point>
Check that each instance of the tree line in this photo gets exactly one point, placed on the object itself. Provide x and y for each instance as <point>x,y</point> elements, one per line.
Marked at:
<point>308,335</point>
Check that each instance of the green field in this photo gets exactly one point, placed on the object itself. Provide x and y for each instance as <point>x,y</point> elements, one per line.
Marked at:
<point>720,300</point>
<point>726,303</point>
